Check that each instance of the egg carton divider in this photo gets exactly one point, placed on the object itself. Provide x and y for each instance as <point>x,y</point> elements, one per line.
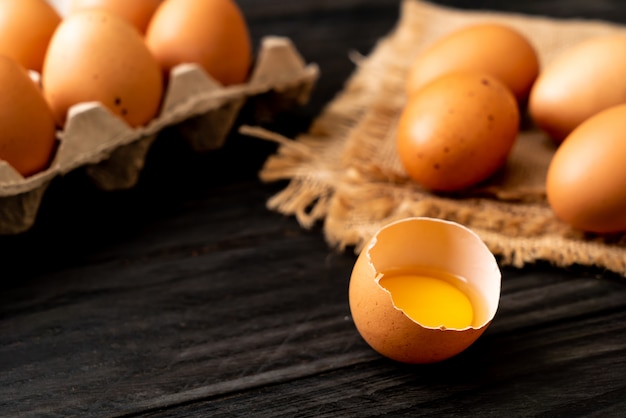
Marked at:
<point>113,154</point>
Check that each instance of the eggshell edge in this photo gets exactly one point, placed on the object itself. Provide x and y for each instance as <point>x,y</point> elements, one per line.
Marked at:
<point>387,329</point>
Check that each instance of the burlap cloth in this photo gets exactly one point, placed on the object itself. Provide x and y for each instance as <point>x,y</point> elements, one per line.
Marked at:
<point>345,171</point>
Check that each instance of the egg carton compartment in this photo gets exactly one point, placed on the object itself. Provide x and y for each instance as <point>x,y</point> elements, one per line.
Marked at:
<point>113,154</point>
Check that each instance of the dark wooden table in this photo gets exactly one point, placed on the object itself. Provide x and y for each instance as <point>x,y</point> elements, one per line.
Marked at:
<point>185,296</point>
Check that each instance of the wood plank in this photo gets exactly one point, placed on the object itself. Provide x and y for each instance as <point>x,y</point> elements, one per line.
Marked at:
<point>508,372</point>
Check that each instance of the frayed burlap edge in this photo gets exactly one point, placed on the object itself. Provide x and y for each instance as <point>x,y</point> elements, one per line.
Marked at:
<point>344,171</point>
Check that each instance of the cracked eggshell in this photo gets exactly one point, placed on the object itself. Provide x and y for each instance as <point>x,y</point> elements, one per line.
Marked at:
<point>420,243</point>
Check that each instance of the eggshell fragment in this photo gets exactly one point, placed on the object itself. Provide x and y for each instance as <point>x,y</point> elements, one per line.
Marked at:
<point>427,243</point>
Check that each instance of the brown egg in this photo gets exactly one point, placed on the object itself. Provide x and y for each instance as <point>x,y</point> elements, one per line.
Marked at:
<point>488,47</point>
<point>457,131</point>
<point>213,34</point>
<point>96,56</point>
<point>137,12</point>
<point>580,82</point>
<point>416,323</point>
<point>586,180</point>
<point>26,27</point>
<point>27,128</point>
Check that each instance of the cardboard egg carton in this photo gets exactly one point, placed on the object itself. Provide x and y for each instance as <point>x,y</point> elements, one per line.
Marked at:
<point>113,154</point>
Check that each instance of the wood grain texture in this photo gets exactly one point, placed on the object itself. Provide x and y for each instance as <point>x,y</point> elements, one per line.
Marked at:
<point>186,297</point>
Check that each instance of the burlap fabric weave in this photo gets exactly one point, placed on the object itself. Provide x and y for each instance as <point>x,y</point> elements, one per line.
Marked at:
<point>345,171</point>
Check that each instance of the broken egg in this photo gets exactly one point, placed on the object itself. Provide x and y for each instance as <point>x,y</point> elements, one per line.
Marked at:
<point>423,290</point>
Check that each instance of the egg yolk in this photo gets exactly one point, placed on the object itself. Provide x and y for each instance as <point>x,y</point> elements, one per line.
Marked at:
<point>430,301</point>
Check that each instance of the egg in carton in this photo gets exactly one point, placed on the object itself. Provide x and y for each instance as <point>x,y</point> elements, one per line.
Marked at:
<point>113,154</point>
